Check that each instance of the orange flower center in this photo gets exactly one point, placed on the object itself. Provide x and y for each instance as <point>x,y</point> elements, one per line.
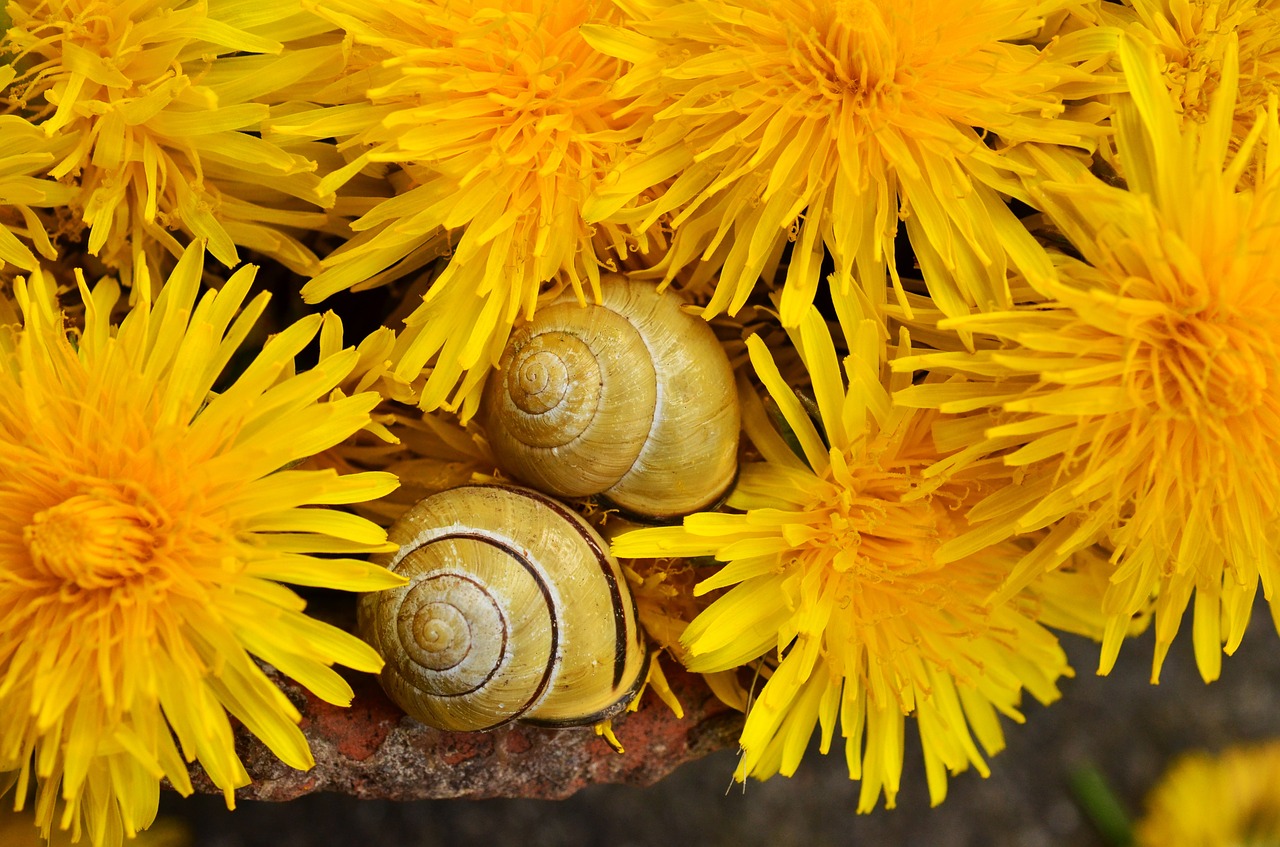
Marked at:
<point>874,525</point>
<point>94,540</point>
<point>849,61</point>
<point>1202,367</point>
<point>534,92</point>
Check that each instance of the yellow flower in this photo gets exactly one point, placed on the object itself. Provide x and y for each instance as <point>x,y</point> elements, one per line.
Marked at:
<point>19,830</point>
<point>1193,37</point>
<point>1071,596</point>
<point>502,119</point>
<point>25,153</point>
<point>665,604</point>
<point>1138,396</point>
<point>428,453</point>
<point>1228,800</point>
<point>163,101</point>
<point>822,123</point>
<point>146,526</point>
<point>831,564</point>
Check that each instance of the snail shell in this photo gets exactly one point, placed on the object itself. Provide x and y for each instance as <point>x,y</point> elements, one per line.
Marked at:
<point>632,398</point>
<point>514,610</point>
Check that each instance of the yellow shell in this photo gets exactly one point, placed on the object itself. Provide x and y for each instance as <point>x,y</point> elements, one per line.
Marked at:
<point>632,398</point>
<point>514,610</point>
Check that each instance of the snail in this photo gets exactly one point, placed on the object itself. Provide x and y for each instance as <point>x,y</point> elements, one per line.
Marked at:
<point>514,610</point>
<point>633,399</point>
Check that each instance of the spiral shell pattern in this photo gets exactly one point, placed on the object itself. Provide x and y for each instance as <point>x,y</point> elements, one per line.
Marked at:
<point>632,398</point>
<point>514,610</point>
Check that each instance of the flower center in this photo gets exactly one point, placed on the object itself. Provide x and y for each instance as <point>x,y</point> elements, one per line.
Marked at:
<point>1201,367</point>
<point>545,89</point>
<point>877,529</point>
<point>847,61</point>
<point>92,540</point>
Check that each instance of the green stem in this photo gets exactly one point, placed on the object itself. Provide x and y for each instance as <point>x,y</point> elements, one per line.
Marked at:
<point>1101,806</point>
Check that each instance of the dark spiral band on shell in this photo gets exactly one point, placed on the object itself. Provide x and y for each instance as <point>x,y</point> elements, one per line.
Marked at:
<point>538,578</point>
<point>615,591</point>
<point>551,632</point>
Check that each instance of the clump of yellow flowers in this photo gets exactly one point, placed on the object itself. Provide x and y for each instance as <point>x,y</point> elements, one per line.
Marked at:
<point>1013,363</point>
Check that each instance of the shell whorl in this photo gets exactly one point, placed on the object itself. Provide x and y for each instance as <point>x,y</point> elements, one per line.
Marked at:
<point>555,380</point>
<point>555,397</point>
<point>632,398</point>
<point>511,597</point>
<point>454,625</point>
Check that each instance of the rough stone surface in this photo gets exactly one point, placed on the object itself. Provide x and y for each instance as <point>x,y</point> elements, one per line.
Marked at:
<point>374,750</point>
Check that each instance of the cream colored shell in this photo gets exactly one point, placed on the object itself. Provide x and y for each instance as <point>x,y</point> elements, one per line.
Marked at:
<point>632,398</point>
<point>514,610</point>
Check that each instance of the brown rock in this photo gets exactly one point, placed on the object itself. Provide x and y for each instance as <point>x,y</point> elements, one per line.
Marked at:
<point>374,750</point>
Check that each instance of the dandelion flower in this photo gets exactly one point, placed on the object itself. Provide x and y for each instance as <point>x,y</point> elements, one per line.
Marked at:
<point>501,116</point>
<point>823,123</point>
<point>1193,38</point>
<point>19,830</point>
<point>665,604</point>
<point>163,101</point>
<point>428,453</point>
<point>146,526</point>
<point>1139,398</point>
<point>1071,596</point>
<point>1228,800</point>
<point>831,563</point>
<point>25,153</point>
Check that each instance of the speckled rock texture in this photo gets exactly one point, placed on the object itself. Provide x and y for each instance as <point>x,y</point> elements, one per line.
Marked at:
<point>374,750</point>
